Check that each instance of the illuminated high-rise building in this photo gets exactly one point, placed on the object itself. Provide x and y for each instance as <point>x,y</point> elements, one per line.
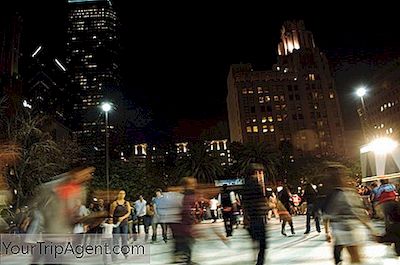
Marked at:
<point>295,103</point>
<point>93,68</point>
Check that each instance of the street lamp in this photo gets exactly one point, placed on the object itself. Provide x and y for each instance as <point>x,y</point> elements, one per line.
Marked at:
<point>106,107</point>
<point>380,146</point>
<point>361,92</point>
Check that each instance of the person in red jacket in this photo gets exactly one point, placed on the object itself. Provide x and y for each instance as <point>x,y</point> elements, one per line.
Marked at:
<point>386,196</point>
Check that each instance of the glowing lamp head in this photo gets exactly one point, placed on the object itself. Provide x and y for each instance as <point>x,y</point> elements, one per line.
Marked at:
<point>380,146</point>
<point>361,92</point>
<point>106,107</point>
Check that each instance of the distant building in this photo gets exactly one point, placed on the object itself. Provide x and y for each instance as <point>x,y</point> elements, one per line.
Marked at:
<point>93,67</point>
<point>10,53</point>
<point>295,102</point>
<point>220,149</point>
<point>45,81</point>
<point>380,115</point>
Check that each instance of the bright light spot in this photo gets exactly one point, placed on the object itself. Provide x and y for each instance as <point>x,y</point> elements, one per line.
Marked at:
<point>36,51</point>
<point>95,199</point>
<point>15,192</point>
<point>26,104</point>
<point>361,92</point>
<point>60,65</point>
<point>95,148</point>
<point>279,188</point>
<point>106,107</point>
<point>380,146</point>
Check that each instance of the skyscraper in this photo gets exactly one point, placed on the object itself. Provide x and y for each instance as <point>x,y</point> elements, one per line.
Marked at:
<point>93,68</point>
<point>294,103</point>
<point>379,114</point>
<point>10,42</point>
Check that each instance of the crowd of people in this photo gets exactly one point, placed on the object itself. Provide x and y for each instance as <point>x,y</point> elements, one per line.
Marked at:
<point>335,205</point>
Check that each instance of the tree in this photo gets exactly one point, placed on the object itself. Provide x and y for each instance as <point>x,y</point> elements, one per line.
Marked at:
<point>256,153</point>
<point>39,157</point>
<point>199,164</point>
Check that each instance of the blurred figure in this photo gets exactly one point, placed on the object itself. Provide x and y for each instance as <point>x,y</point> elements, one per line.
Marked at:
<point>140,207</point>
<point>80,211</point>
<point>310,196</point>
<point>284,205</point>
<point>346,214</point>
<point>227,210</point>
<point>373,199</point>
<point>183,231</point>
<point>254,205</point>
<point>213,208</point>
<point>120,210</point>
<point>55,207</point>
<point>160,212</point>
<point>386,195</point>
<point>392,234</point>
<point>148,219</point>
<point>285,197</point>
<point>272,205</point>
<point>107,236</point>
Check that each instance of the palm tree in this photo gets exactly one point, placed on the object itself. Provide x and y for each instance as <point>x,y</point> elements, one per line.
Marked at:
<point>199,164</point>
<point>256,153</point>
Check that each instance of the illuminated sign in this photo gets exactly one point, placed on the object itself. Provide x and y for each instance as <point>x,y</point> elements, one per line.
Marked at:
<point>229,182</point>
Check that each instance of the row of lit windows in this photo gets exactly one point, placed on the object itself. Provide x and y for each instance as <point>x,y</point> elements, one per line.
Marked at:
<point>387,105</point>
<point>265,129</point>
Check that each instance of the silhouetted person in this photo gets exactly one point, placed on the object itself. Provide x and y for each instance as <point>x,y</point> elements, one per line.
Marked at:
<point>254,205</point>
<point>310,196</point>
<point>227,209</point>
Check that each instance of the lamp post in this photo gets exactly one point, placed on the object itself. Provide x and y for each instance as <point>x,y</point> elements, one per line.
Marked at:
<point>106,107</point>
<point>361,92</point>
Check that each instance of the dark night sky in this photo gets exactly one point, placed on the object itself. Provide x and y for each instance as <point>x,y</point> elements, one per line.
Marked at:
<point>175,58</point>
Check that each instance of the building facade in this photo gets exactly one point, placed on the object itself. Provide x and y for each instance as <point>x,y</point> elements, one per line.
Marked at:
<point>10,54</point>
<point>93,69</point>
<point>380,112</point>
<point>295,102</point>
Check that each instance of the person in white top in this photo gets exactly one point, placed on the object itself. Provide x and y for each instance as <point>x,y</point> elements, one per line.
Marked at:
<point>140,207</point>
<point>213,208</point>
<point>107,236</point>
<point>81,211</point>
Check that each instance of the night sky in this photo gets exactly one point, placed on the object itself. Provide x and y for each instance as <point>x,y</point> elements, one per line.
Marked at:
<point>175,58</point>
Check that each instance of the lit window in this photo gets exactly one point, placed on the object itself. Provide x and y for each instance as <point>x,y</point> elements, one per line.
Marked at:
<point>259,90</point>
<point>250,91</point>
<point>278,117</point>
<point>267,98</point>
<point>270,119</point>
<point>276,98</point>
<point>248,129</point>
<point>385,106</point>
<point>255,129</point>
<point>389,105</point>
<point>244,91</point>
<point>311,77</point>
<point>282,98</point>
<point>254,120</point>
<point>331,95</point>
<point>265,128</point>
<point>271,128</point>
<point>264,120</point>
<point>261,99</point>
<point>390,130</point>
